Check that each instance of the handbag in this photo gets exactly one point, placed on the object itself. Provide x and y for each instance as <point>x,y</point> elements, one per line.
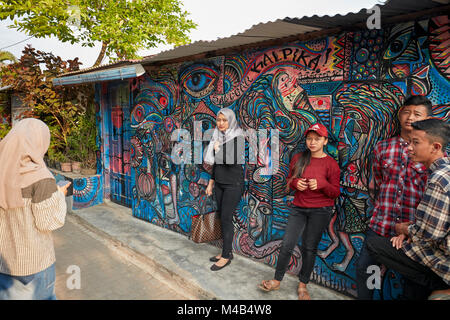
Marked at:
<point>206,227</point>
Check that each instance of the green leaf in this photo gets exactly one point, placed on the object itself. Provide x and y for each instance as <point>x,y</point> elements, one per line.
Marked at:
<point>114,22</point>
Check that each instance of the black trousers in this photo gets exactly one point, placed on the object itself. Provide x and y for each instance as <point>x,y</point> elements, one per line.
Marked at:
<point>227,197</point>
<point>308,223</point>
<point>420,280</point>
<point>363,262</point>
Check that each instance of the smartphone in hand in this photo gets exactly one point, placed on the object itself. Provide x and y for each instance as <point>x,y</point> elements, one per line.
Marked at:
<point>62,183</point>
<point>65,187</point>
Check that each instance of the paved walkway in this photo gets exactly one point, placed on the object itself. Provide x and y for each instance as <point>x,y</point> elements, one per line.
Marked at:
<point>106,270</point>
<point>121,257</point>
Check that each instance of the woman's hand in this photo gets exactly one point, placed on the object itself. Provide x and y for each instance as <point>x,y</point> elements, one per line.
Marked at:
<point>64,188</point>
<point>209,188</point>
<point>312,183</point>
<point>302,184</point>
<point>217,146</point>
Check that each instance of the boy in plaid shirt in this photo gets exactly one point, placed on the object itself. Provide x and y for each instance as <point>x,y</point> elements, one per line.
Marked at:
<point>399,184</point>
<point>425,256</point>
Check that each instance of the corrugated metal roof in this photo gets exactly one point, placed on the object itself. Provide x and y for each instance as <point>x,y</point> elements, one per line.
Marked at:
<point>105,66</point>
<point>392,8</point>
<point>118,73</point>
<point>5,88</point>
<point>257,33</point>
<point>283,28</point>
<point>286,27</point>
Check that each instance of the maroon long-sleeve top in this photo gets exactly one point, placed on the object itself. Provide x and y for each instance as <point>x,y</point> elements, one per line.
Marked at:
<point>327,173</point>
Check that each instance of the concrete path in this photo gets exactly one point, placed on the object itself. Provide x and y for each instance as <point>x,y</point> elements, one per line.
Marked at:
<point>106,271</point>
<point>134,259</point>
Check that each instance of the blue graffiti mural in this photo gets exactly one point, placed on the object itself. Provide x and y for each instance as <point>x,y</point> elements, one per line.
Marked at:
<point>353,83</point>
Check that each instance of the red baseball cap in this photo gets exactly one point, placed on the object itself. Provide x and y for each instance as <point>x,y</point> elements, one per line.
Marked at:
<point>319,129</point>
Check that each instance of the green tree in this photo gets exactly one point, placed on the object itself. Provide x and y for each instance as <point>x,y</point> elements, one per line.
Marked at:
<point>5,112</point>
<point>6,56</point>
<point>122,26</point>
<point>61,108</point>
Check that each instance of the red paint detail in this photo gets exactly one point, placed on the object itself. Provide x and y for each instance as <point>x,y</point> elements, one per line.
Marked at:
<point>165,189</point>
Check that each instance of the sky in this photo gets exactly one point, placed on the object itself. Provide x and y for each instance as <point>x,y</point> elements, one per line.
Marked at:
<point>215,19</point>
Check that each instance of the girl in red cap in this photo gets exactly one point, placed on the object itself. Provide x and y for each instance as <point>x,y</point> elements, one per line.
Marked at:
<point>314,176</point>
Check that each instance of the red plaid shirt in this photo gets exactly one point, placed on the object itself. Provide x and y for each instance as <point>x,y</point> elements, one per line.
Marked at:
<point>399,184</point>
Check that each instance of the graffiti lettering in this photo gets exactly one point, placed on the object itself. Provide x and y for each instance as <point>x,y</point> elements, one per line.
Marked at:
<point>306,59</point>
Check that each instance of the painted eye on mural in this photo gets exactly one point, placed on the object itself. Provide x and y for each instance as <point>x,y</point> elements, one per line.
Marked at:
<point>164,163</point>
<point>397,46</point>
<point>163,101</point>
<point>169,125</point>
<point>207,121</point>
<point>355,115</point>
<point>265,210</point>
<point>138,113</point>
<point>198,82</point>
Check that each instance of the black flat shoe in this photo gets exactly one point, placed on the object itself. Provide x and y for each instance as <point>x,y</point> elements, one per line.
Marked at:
<point>214,259</point>
<point>215,267</point>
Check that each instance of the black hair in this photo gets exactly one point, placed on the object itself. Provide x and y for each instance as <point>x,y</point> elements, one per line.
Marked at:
<point>301,164</point>
<point>436,129</point>
<point>420,100</point>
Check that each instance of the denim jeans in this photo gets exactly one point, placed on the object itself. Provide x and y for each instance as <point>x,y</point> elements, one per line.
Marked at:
<point>308,223</point>
<point>227,197</point>
<point>38,286</point>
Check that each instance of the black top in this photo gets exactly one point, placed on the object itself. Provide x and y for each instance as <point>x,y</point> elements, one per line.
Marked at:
<point>228,161</point>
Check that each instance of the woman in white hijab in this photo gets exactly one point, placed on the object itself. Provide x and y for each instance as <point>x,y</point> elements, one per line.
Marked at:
<point>225,153</point>
<point>31,206</point>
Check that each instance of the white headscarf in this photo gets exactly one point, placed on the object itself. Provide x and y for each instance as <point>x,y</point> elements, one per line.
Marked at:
<point>22,160</point>
<point>232,132</point>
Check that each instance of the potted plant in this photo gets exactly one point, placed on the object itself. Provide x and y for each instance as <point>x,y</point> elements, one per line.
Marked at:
<point>74,155</point>
<point>88,167</point>
<point>64,162</point>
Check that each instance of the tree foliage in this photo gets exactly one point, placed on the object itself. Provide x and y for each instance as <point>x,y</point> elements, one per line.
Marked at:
<point>6,56</point>
<point>122,26</point>
<point>62,108</point>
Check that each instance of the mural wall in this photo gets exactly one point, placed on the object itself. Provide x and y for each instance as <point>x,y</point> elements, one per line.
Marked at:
<point>353,83</point>
<point>86,191</point>
<point>113,140</point>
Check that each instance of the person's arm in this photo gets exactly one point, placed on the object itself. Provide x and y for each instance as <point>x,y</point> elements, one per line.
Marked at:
<point>377,170</point>
<point>432,218</point>
<point>209,187</point>
<point>331,186</point>
<point>402,228</point>
<point>48,205</point>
